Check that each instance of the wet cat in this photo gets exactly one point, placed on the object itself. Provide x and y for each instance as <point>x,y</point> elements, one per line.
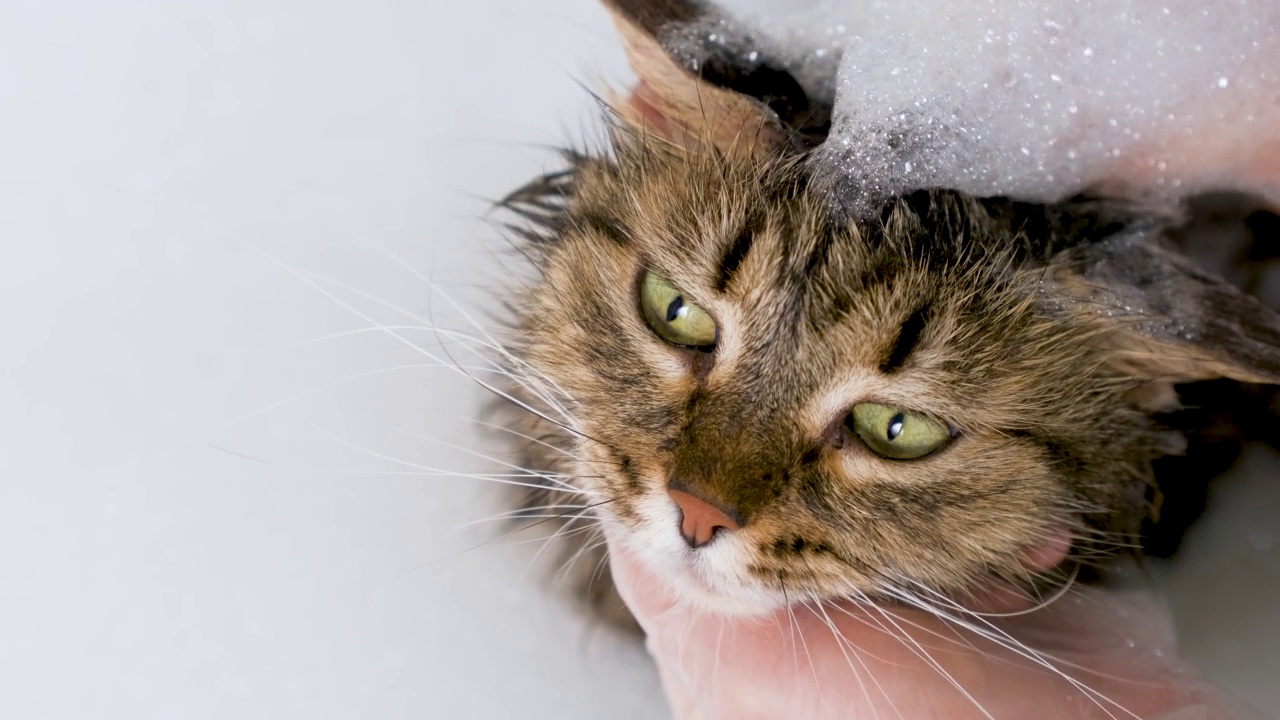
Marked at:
<point>770,398</point>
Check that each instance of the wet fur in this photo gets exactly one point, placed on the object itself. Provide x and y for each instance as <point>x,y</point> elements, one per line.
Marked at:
<point>1051,338</point>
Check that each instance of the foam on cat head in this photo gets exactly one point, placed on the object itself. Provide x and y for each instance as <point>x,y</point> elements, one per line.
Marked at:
<point>1029,99</point>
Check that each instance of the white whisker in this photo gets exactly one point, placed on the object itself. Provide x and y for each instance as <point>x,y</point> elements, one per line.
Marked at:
<point>564,531</point>
<point>469,318</point>
<point>919,650</point>
<point>565,487</point>
<point>474,453</point>
<point>335,383</point>
<point>306,278</point>
<point>1003,639</point>
<point>530,438</point>
<point>846,647</point>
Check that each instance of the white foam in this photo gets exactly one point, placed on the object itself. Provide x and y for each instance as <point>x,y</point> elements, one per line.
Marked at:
<point>1032,99</point>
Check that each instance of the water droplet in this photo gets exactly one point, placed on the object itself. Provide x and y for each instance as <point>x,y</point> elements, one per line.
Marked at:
<point>1223,82</point>
<point>906,166</point>
<point>1088,52</point>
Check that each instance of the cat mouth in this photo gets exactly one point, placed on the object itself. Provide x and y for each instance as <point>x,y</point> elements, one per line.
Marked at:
<point>712,591</point>
<point>724,575</point>
<point>713,576</point>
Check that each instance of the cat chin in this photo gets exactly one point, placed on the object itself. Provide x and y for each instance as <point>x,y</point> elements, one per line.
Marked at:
<point>711,592</point>
<point>709,579</point>
<point>751,605</point>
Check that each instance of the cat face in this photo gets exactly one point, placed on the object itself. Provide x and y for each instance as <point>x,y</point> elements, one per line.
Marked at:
<point>773,402</point>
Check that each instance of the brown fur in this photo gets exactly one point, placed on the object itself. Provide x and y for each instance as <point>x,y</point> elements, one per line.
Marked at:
<point>1046,337</point>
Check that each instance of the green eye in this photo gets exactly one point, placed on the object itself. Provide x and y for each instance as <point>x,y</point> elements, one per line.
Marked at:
<point>897,434</point>
<point>673,318</point>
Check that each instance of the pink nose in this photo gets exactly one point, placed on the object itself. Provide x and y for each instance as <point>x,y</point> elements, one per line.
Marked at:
<point>699,519</point>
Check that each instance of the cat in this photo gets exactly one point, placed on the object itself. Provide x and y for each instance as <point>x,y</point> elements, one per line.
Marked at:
<point>771,399</point>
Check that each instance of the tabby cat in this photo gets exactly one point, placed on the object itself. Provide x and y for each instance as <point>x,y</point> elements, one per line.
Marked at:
<point>769,397</point>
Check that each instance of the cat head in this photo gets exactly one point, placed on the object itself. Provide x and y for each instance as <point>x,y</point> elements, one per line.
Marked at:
<point>770,402</point>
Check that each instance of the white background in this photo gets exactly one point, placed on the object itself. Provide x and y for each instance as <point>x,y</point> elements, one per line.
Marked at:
<point>169,174</point>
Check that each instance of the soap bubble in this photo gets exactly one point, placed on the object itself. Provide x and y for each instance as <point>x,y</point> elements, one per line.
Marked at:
<point>1016,97</point>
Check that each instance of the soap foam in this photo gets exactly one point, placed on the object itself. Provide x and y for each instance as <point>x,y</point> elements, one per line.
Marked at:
<point>1034,100</point>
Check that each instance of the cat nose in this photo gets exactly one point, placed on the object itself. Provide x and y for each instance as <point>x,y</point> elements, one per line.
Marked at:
<point>700,519</point>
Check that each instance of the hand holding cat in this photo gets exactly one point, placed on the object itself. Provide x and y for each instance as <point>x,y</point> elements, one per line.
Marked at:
<point>1112,657</point>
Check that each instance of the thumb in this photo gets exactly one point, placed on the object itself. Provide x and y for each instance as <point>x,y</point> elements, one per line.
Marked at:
<point>840,659</point>
<point>651,603</point>
<point>648,598</point>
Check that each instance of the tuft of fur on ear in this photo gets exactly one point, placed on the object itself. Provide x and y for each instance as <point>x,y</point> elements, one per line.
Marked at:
<point>1166,321</point>
<point>676,103</point>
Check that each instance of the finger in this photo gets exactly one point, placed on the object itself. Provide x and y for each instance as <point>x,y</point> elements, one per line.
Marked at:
<point>1094,655</point>
<point>1242,156</point>
<point>683,706</point>
<point>645,594</point>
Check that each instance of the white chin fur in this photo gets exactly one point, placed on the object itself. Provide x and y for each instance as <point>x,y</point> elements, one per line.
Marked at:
<point>712,578</point>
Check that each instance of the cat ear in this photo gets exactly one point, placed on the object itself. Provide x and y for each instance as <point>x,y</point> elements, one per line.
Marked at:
<point>693,89</point>
<point>1164,319</point>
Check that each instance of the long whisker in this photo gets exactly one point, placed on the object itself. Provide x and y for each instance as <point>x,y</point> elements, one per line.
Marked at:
<point>543,475</point>
<point>507,517</point>
<point>564,531</point>
<point>817,684</point>
<point>353,332</point>
<point>1057,595</point>
<point>492,341</point>
<point>587,547</point>
<point>500,537</point>
<point>338,382</point>
<point>996,635</point>
<point>842,643</point>
<point>363,316</point>
<point>914,646</point>
<point>1003,639</point>
<point>502,478</point>
<point>559,485</point>
<point>541,442</point>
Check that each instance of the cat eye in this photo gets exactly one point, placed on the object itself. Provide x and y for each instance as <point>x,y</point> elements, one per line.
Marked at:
<point>897,434</point>
<point>673,317</point>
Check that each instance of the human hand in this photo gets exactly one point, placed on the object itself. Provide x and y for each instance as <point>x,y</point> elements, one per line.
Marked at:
<point>1231,155</point>
<point>1090,654</point>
